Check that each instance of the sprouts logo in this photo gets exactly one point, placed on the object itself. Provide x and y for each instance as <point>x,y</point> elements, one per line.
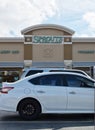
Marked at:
<point>47,39</point>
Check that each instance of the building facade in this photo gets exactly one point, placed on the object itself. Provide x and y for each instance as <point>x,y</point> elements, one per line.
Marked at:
<point>46,45</point>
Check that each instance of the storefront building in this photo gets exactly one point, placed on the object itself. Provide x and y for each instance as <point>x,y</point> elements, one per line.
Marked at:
<point>11,58</point>
<point>46,45</point>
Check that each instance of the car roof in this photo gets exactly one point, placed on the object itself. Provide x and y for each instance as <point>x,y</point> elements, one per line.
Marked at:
<point>26,70</point>
<point>56,69</point>
<point>39,68</point>
<point>64,69</point>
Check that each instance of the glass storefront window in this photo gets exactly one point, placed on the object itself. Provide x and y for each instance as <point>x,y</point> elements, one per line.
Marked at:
<point>9,76</point>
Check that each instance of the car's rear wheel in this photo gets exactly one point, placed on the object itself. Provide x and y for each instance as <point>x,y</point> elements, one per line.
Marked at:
<point>29,109</point>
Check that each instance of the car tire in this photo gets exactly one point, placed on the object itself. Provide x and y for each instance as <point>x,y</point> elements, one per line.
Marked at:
<point>29,109</point>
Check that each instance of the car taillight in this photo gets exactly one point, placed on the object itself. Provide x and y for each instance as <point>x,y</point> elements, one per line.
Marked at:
<point>6,89</point>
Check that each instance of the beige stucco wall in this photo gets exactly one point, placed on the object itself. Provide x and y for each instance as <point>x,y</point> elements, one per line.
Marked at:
<point>85,57</point>
<point>11,52</point>
<point>48,52</point>
<point>47,31</point>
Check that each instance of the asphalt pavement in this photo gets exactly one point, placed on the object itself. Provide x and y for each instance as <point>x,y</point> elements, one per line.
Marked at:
<point>12,121</point>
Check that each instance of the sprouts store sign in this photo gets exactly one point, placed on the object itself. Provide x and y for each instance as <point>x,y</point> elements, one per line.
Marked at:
<point>47,39</point>
<point>86,51</point>
<point>9,52</point>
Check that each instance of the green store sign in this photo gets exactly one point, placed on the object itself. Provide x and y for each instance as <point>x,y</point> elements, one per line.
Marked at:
<point>86,51</point>
<point>9,52</point>
<point>47,39</point>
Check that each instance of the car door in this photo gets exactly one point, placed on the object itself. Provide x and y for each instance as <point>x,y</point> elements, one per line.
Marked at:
<point>50,92</point>
<point>81,94</point>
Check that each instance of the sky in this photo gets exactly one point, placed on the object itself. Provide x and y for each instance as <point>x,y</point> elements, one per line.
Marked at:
<point>77,15</point>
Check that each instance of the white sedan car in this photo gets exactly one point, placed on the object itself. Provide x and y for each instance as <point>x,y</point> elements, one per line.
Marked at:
<point>56,92</point>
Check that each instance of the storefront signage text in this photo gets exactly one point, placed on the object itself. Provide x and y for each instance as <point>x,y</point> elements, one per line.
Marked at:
<point>86,51</point>
<point>9,51</point>
<point>47,39</point>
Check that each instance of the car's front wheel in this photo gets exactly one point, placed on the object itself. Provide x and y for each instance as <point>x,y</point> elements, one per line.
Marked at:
<point>29,109</point>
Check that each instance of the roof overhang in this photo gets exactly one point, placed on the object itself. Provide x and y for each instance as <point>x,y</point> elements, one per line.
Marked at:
<point>11,64</point>
<point>48,64</point>
<point>51,26</point>
<point>12,39</point>
<point>83,39</point>
<point>83,64</point>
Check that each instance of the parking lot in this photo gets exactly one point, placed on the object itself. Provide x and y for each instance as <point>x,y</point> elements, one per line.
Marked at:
<point>12,121</point>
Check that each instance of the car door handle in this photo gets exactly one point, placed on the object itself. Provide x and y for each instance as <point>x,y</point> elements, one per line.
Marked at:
<point>72,92</point>
<point>40,91</point>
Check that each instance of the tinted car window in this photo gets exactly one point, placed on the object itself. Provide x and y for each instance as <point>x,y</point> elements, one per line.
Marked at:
<point>78,81</point>
<point>73,81</point>
<point>85,82</point>
<point>31,72</point>
<point>51,80</point>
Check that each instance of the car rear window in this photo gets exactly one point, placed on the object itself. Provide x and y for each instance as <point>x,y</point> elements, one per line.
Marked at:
<point>31,72</point>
